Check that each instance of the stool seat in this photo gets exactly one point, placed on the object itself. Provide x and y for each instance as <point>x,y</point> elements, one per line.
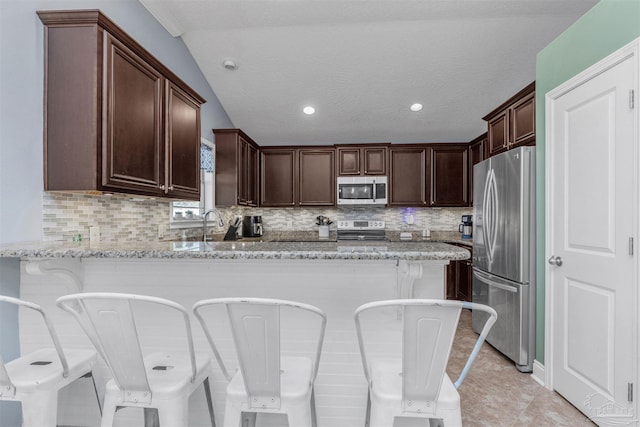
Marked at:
<point>266,380</point>
<point>295,377</point>
<point>34,379</point>
<point>159,382</point>
<point>386,389</point>
<point>42,370</point>
<point>414,383</point>
<point>169,375</point>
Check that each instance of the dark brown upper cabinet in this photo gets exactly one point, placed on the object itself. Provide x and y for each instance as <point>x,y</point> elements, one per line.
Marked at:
<point>316,177</point>
<point>512,124</point>
<point>116,119</point>
<point>408,166</point>
<point>236,168</point>
<point>278,173</point>
<point>449,175</point>
<point>476,155</point>
<point>297,176</point>
<point>362,160</point>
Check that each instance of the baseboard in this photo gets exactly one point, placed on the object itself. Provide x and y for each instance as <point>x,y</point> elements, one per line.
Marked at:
<point>538,373</point>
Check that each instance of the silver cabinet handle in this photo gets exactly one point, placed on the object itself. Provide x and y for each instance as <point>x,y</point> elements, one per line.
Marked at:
<point>555,260</point>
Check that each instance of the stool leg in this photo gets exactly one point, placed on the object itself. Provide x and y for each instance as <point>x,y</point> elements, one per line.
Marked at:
<point>109,409</point>
<point>300,415</point>
<point>232,414</point>
<point>314,415</point>
<point>207,392</point>
<point>40,409</point>
<point>174,413</point>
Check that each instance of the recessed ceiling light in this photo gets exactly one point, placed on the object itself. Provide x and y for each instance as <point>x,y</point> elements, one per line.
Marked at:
<point>229,64</point>
<point>309,110</point>
<point>416,107</point>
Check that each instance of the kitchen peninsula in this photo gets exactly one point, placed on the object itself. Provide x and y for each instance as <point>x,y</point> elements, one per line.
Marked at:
<point>334,276</point>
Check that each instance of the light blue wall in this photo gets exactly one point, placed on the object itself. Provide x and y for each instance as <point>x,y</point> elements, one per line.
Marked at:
<point>21,125</point>
<point>608,26</point>
<point>21,98</point>
<point>9,286</point>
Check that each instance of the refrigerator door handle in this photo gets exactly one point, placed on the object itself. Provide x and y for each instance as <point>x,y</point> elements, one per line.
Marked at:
<point>489,213</point>
<point>493,281</point>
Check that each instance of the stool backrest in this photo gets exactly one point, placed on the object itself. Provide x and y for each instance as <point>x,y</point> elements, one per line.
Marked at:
<point>5,381</point>
<point>428,330</point>
<point>255,324</point>
<point>108,320</point>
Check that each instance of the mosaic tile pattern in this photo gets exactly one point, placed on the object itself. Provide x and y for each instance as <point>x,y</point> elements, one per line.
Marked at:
<point>67,215</point>
<point>442,219</point>
<point>126,218</point>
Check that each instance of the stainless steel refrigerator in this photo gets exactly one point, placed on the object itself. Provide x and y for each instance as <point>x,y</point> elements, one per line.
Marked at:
<point>504,251</point>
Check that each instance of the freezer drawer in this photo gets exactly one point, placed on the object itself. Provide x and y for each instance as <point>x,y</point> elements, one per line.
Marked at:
<point>513,332</point>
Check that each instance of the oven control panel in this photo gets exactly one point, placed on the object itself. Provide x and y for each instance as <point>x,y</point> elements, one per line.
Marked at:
<point>360,225</point>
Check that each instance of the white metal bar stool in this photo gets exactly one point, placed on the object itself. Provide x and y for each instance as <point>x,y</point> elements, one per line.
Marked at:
<point>35,379</point>
<point>266,381</point>
<point>158,380</point>
<point>416,385</point>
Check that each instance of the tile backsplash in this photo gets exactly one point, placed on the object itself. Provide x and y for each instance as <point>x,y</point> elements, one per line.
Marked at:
<point>127,218</point>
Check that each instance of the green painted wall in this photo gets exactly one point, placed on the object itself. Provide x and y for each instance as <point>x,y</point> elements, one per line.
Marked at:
<point>608,26</point>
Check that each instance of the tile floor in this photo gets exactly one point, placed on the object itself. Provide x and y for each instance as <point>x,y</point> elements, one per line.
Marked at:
<point>495,393</point>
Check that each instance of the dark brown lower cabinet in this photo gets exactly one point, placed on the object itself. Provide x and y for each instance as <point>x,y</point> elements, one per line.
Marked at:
<point>459,279</point>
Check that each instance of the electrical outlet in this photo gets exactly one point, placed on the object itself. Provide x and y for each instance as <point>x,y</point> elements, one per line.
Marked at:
<point>290,224</point>
<point>94,234</point>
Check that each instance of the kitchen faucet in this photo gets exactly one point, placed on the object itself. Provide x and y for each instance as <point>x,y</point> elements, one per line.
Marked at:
<point>204,222</point>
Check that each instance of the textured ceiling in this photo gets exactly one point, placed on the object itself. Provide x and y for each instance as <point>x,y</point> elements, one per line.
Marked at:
<point>361,63</point>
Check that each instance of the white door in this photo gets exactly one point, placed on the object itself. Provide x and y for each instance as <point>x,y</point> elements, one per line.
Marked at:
<point>591,217</point>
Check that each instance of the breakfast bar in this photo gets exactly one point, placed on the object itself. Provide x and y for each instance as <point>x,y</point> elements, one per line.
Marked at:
<point>336,277</point>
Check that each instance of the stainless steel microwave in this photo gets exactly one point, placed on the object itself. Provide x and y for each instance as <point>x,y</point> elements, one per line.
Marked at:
<point>362,190</point>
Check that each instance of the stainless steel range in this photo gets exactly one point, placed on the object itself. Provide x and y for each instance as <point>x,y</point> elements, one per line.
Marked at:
<point>361,230</point>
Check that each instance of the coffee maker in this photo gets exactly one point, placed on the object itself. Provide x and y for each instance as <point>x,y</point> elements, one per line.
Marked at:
<point>466,228</point>
<point>252,226</point>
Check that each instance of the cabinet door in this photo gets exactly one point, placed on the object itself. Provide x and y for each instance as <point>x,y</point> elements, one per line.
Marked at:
<point>317,177</point>
<point>133,155</point>
<point>476,155</point>
<point>498,134</point>
<point>375,160</point>
<point>407,176</point>
<point>449,175</point>
<point>278,177</point>
<point>242,161</point>
<point>523,121</point>
<point>451,272</point>
<point>182,144</point>
<point>463,280</point>
<point>252,176</point>
<point>348,161</point>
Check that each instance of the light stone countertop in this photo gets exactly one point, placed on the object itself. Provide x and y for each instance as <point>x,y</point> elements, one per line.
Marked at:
<point>410,250</point>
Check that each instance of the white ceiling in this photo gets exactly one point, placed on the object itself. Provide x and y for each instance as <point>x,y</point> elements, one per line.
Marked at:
<point>361,63</point>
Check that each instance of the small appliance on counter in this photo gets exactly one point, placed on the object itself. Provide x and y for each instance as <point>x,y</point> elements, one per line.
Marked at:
<point>252,226</point>
<point>466,228</point>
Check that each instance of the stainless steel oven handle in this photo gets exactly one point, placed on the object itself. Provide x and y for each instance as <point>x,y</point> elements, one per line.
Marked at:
<point>487,279</point>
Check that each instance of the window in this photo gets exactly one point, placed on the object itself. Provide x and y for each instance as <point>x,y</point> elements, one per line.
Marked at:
<point>186,214</point>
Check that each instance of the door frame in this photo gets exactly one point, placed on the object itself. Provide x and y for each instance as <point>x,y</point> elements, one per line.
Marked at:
<point>632,49</point>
